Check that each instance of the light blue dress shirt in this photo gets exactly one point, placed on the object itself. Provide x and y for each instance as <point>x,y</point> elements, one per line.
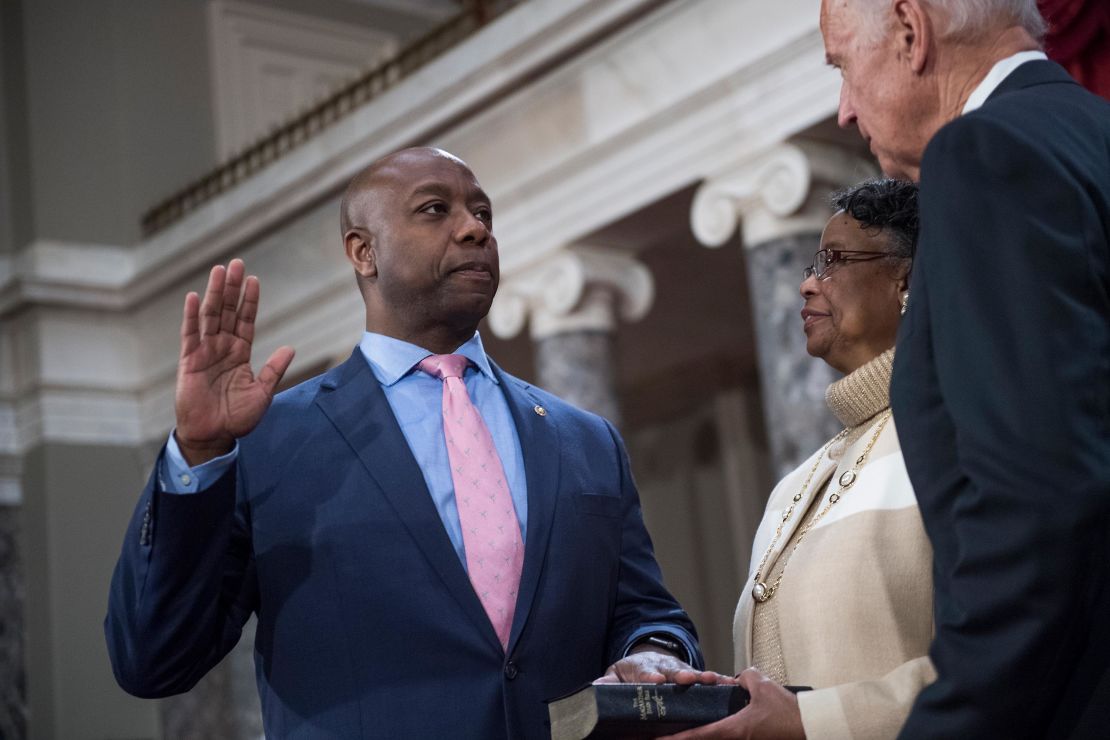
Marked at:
<point>417,401</point>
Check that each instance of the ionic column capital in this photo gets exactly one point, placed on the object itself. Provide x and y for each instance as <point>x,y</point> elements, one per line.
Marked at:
<point>776,194</point>
<point>578,288</point>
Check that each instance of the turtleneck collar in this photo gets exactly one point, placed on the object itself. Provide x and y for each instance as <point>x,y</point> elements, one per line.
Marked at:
<point>862,393</point>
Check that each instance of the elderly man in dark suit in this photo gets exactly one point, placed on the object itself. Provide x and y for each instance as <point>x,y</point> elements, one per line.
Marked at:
<point>1001,387</point>
<point>432,546</point>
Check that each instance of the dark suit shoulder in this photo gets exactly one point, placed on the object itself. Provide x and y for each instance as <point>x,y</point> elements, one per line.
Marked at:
<point>294,414</point>
<point>1048,118</point>
<point>1042,83</point>
<point>1041,149</point>
<point>1006,144</point>
<point>1050,110</point>
<point>972,144</point>
<point>301,395</point>
<point>562,410</point>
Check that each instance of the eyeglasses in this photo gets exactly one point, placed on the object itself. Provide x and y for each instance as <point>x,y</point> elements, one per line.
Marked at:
<point>826,258</point>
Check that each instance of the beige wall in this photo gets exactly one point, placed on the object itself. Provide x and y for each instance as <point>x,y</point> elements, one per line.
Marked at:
<point>15,211</point>
<point>77,502</point>
<point>118,111</point>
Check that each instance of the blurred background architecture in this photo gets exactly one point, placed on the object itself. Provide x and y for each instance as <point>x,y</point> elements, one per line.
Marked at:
<point>659,171</point>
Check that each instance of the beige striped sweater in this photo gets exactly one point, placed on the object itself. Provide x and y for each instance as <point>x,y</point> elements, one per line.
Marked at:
<point>852,616</point>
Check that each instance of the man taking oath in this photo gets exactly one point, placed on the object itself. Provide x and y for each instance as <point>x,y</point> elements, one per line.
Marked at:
<point>432,546</point>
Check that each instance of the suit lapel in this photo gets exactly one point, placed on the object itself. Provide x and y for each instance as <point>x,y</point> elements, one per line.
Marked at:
<point>539,444</point>
<point>357,406</point>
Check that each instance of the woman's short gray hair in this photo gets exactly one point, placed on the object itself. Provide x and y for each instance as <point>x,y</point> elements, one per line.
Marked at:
<point>883,205</point>
<point>969,19</point>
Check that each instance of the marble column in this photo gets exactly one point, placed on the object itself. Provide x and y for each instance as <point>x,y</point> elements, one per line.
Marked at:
<point>780,201</point>
<point>13,684</point>
<point>571,301</point>
<point>578,367</point>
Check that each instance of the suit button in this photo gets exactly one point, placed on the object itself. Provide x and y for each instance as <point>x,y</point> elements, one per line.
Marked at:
<point>511,670</point>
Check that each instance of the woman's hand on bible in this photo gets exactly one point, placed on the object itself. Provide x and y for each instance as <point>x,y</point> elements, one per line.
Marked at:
<point>772,713</point>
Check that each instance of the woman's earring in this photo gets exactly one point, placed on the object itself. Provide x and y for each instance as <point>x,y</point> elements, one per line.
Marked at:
<point>905,302</point>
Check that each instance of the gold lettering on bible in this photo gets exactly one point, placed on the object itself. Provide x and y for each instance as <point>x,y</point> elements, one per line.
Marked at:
<point>649,703</point>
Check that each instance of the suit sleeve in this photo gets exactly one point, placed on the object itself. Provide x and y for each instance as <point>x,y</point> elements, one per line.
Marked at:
<point>1007,250</point>
<point>643,604</point>
<point>182,589</point>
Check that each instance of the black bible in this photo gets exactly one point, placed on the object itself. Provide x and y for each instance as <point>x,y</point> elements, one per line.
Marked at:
<point>642,710</point>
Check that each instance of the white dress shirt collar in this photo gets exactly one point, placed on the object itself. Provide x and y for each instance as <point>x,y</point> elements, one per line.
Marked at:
<point>998,73</point>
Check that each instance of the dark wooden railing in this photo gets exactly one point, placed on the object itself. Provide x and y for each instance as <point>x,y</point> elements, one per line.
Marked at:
<point>298,130</point>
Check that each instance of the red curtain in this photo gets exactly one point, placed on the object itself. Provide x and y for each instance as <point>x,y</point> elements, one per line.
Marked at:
<point>1079,39</point>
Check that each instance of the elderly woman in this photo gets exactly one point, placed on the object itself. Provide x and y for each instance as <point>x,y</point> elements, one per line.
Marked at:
<point>839,596</point>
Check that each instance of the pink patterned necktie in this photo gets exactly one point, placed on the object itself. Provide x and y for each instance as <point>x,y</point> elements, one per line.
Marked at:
<point>491,533</point>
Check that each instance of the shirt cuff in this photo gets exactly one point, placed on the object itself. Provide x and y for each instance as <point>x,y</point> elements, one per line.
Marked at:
<point>175,475</point>
<point>666,630</point>
<point>823,715</point>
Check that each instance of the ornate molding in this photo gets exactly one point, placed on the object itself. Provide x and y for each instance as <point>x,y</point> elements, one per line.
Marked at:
<point>623,147</point>
<point>269,63</point>
<point>433,10</point>
<point>107,377</point>
<point>580,288</point>
<point>777,193</point>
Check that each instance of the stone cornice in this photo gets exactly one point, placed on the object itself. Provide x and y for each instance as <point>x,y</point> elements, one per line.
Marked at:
<point>666,137</point>
<point>500,58</point>
<point>580,288</point>
<point>777,193</point>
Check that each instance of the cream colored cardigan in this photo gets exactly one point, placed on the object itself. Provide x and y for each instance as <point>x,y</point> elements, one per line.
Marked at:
<point>854,608</point>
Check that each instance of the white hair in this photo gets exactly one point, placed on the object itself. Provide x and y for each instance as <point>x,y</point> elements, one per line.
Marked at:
<point>970,19</point>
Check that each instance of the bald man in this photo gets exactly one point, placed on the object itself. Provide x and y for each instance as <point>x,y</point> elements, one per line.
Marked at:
<point>432,546</point>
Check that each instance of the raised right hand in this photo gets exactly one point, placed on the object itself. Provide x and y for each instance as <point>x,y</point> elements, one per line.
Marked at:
<point>218,398</point>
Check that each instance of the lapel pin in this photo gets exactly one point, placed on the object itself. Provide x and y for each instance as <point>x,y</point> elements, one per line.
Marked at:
<point>540,410</point>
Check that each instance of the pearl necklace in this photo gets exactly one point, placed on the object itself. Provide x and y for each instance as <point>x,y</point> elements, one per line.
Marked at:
<point>761,591</point>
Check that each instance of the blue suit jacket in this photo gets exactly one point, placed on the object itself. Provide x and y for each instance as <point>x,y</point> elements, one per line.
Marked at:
<point>367,623</point>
